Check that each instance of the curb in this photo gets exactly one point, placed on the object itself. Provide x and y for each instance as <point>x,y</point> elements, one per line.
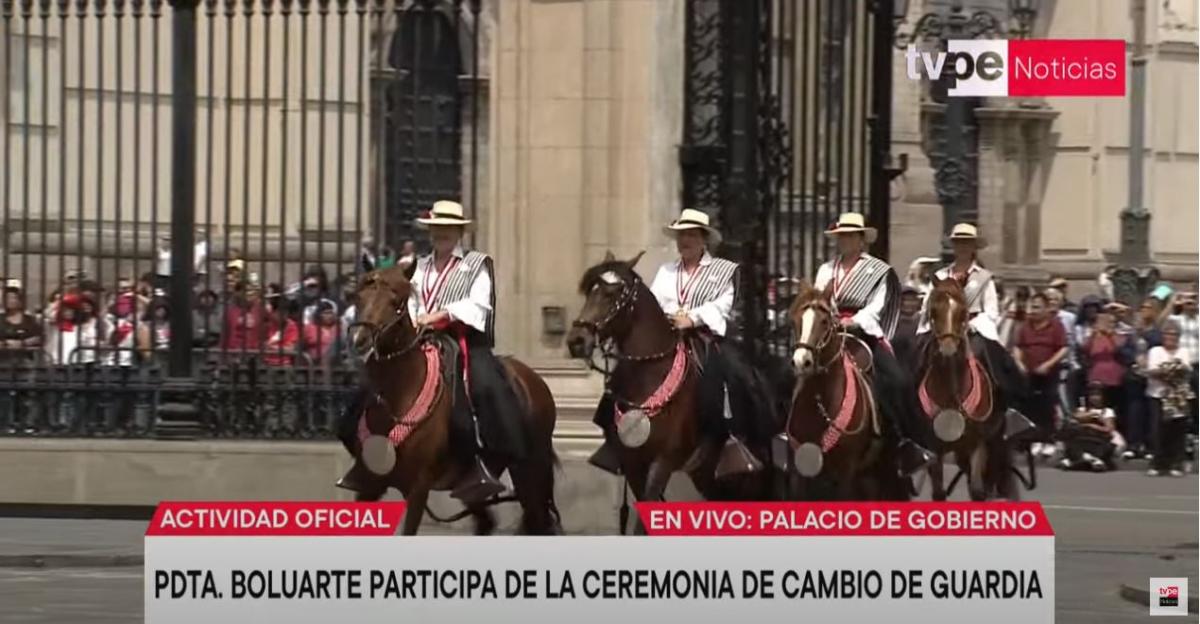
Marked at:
<point>1140,596</point>
<point>70,561</point>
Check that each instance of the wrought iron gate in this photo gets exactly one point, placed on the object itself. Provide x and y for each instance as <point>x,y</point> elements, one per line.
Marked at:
<point>156,154</point>
<point>787,123</point>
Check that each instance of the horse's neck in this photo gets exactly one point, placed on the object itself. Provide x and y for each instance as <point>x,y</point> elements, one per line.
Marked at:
<point>649,332</point>
<point>399,379</point>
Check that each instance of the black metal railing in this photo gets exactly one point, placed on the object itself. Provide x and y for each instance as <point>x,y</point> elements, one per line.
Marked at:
<point>190,189</point>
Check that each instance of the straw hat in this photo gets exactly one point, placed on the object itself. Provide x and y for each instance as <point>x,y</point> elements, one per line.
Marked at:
<point>851,222</point>
<point>445,212</point>
<point>966,231</point>
<point>691,219</point>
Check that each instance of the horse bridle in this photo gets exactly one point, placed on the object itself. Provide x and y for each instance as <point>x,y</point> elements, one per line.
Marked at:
<point>625,302</point>
<point>379,333</point>
<point>828,337</point>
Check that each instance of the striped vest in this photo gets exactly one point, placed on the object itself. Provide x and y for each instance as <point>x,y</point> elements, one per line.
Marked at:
<point>869,274</point>
<point>712,281</point>
<point>458,287</point>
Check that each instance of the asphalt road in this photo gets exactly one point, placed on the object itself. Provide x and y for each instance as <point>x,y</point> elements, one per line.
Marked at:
<point>1111,529</point>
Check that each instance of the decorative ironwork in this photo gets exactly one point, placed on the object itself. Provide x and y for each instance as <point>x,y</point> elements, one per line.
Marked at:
<point>781,126</point>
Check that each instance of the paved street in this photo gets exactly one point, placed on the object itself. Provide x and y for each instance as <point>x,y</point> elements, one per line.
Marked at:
<point>1111,529</point>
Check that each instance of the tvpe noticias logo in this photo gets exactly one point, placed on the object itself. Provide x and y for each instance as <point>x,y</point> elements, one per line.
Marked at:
<point>1168,596</point>
<point>1024,68</point>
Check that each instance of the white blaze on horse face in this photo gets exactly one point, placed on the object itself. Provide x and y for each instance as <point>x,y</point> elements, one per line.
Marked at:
<point>802,358</point>
<point>948,346</point>
<point>610,277</point>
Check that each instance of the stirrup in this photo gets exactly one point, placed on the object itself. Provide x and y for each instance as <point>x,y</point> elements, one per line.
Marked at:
<point>353,480</point>
<point>477,485</point>
<point>607,458</point>
<point>1016,424</point>
<point>912,457</point>
<point>736,459</point>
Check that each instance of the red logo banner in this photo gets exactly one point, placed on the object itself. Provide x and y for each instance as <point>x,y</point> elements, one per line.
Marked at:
<point>277,518</point>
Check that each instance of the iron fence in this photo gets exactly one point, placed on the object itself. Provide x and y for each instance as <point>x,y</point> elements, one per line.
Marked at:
<point>190,190</point>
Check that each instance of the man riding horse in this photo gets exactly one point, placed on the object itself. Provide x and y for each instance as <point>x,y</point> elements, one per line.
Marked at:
<point>866,293</point>
<point>453,297</point>
<point>697,292</point>
<point>983,309</point>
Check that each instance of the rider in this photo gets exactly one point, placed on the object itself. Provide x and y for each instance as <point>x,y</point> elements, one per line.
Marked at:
<point>697,291</point>
<point>983,307</point>
<point>453,296</point>
<point>866,292</point>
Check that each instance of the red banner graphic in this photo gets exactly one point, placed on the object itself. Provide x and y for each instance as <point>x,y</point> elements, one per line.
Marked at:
<point>845,519</point>
<point>1066,67</point>
<point>278,518</point>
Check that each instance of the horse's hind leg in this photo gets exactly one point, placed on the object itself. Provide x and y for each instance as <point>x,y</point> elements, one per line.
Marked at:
<point>534,485</point>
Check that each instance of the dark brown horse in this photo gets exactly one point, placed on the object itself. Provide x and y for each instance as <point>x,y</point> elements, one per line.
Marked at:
<point>398,369</point>
<point>960,400</point>
<point>620,308</point>
<point>833,429</point>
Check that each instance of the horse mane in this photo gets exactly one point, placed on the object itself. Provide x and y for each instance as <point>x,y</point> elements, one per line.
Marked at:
<point>806,294</point>
<point>620,267</point>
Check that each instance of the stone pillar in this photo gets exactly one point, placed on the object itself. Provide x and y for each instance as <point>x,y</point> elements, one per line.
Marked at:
<point>585,117</point>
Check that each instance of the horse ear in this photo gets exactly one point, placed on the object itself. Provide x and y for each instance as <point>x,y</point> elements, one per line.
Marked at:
<point>608,256</point>
<point>634,260</point>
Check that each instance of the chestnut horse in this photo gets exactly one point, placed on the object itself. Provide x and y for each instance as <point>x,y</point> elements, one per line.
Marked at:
<point>398,369</point>
<point>621,309</point>
<point>833,430</point>
<point>961,401</point>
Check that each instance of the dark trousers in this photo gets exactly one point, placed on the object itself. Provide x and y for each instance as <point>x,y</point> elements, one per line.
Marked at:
<point>1078,439</point>
<point>1043,398</point>
<point>1003,368</point>
<point>894,394</point>
<point>1169,451</point>
<point>1138,423</point>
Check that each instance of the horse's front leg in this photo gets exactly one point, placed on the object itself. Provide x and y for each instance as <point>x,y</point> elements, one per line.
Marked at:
<point>975,484</point>
<point>656,483</point>
<point>415,500</point>
<point>937,479</point>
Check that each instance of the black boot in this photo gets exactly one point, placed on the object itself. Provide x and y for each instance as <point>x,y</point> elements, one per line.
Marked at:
<point>355,479</point>
<point>912,457</point>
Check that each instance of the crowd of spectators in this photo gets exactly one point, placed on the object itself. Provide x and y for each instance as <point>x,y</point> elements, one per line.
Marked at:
<point>83,322</point>
<point>1106,382</point>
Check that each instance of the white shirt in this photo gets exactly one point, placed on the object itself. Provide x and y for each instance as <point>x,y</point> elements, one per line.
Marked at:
<point>472,311</point>
<point>1156,388</point>
<point>715,314</point>
<point>199,259</point>
<point>986,308</point>
<point>866,318</point>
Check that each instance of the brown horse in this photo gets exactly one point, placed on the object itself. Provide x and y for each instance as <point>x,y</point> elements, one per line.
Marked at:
<point>398,367</point>
<point>961,400</point>
<point>833,429</point>
<point>620,308</point>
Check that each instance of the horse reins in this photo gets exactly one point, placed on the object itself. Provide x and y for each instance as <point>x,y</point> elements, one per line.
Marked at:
<point>824,342</point>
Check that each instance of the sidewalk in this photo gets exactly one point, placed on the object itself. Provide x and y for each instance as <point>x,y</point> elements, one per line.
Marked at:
<point>41,542</point>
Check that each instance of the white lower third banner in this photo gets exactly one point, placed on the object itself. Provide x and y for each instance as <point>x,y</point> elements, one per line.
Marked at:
<point>798,567</point>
